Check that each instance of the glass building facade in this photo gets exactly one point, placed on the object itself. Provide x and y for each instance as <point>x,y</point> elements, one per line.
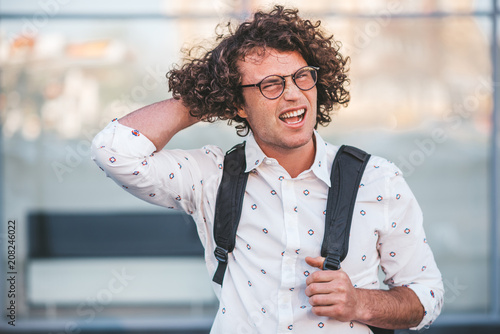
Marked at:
<point>424,94</point>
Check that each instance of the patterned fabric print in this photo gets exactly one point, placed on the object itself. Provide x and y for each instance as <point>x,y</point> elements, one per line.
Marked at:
<point>284,242</point>
<point>159,178</point>
<point>282,223</point>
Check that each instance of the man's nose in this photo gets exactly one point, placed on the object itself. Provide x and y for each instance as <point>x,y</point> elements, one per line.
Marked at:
<point>291,90</point>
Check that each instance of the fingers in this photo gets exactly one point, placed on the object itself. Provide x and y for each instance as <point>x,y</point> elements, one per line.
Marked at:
<point>321,300</point>
<point>324,276</point>
<point>332,299</point>
<point>324,282</point>
<point>318,288</point>
<point>316,262</point>
<point>330,292</point>
<point>323,310</point>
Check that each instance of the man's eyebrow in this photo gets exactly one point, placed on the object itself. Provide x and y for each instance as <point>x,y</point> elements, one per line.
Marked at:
<point>288,74</point>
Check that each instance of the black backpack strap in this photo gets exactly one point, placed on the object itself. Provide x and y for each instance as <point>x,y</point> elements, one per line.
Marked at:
<point>228,206</point>
<point>377,330</point>
<point>347,170</point>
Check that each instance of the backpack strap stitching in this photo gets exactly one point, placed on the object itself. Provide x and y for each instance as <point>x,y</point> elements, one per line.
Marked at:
<point>228,207</point>
<point>347,171</point>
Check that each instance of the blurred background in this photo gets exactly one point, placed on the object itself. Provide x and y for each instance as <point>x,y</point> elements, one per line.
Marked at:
<point>90,258</point>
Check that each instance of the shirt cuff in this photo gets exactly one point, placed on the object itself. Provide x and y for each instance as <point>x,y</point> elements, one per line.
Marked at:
<point>128,141</point>
<point>431,300</point>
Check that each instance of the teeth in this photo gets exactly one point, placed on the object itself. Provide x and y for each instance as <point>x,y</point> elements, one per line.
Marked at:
<point>294,113</point>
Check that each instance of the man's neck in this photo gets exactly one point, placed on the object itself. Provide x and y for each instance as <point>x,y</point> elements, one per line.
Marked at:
<point>297,160</point>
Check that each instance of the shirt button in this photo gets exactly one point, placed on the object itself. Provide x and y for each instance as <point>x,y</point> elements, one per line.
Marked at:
<point>286,299</point>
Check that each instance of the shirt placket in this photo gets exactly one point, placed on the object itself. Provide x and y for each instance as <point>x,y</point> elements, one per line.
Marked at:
<point>292,243</point>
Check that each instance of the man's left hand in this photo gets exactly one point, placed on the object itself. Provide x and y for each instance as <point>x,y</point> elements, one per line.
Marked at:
<point>331,292</point>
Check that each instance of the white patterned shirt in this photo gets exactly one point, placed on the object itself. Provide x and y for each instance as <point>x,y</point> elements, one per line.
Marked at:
<point>282,222</point>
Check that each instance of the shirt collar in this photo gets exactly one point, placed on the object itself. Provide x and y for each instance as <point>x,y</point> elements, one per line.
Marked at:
<point>320,164</point>
<point>255,156</point>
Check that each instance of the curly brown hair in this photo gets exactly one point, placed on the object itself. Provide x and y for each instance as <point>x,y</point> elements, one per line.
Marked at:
<point>210,85</point>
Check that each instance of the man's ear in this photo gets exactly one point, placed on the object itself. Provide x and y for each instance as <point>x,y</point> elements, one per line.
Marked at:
<point>242,113</point>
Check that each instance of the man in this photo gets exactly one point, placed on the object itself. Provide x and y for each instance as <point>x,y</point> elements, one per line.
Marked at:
<point>278,76</point>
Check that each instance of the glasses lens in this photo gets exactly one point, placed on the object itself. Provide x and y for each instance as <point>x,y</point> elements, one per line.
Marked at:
<point>272,86</point>
<point>305,78</point>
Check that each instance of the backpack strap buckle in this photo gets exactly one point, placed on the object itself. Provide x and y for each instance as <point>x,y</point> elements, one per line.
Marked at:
<point>331,263</point>
<point>221,254</point>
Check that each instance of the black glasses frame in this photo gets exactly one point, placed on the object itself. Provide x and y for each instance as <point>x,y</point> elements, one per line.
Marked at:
<point>283,77</point>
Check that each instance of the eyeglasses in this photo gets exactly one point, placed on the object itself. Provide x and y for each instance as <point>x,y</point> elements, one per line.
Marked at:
<point>273,86</point>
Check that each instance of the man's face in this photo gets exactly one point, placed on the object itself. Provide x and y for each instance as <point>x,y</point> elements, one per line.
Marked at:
<point>285,124</point>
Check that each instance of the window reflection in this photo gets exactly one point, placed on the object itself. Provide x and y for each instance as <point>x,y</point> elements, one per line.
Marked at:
<point>421,96</point>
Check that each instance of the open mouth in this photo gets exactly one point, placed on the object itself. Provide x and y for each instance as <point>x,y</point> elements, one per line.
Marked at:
<point>293,117</point>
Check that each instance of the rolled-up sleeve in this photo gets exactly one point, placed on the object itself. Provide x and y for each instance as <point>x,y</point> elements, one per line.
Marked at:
<point>170,178</point>
<point>406,257</point>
